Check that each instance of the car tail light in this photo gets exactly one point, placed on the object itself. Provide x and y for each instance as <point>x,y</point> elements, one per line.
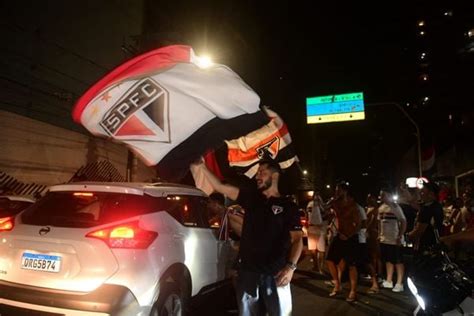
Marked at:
<point>6,224</point>
<point>127,235</point>
<point>88,194</point>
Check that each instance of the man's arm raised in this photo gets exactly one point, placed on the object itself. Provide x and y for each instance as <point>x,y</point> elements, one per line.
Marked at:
<point>228,190</point>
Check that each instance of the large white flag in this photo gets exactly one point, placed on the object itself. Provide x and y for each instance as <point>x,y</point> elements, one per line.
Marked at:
<point>156,101</point>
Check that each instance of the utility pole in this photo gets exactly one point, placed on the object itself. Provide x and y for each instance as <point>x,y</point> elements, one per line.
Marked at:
<point>412,121</point>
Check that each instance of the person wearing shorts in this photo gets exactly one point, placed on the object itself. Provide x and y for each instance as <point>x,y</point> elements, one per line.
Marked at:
<point>392,226</point>
<point>344,248</point>
<point>317,232</point>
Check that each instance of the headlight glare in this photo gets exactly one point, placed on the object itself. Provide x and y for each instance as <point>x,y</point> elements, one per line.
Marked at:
<point>420,301</point>
<point>414,291</point>
<point>412,286</point>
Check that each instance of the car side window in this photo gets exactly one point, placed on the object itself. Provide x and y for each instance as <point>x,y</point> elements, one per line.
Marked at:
<point>188,210</point>
<point>200,206</point>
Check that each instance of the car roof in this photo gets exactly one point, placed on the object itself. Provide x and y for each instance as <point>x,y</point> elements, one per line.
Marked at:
<point>21,198</point>
<point>137,188</point>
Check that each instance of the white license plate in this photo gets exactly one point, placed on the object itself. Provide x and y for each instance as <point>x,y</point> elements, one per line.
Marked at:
<point>39,262</point>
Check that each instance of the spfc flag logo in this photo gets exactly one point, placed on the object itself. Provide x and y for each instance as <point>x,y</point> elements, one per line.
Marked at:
<point>142,112</point>
<point>277,209</point>
<point>269,149</point>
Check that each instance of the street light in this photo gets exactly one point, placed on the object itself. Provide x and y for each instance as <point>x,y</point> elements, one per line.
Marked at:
<point>305,172</point>
<point>328,186</point>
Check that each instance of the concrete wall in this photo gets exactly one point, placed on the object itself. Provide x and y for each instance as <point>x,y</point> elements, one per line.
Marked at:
<point>34,151</point>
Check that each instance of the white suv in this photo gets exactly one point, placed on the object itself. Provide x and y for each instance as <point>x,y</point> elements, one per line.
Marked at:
<point>110,249</point>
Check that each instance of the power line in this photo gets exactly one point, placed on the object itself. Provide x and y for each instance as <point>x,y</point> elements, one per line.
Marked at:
<point>41,91</point>
<point>52,43</point>
<point>17,54</point>
<point>55,95</point>
<point>29,108</point>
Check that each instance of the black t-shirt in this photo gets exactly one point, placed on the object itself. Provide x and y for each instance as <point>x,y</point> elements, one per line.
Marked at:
<point>265,240</point>
<point>410,215</point>
<point>431,214</point>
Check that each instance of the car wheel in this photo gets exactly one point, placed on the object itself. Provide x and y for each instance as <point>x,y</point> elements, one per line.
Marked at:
<point>170,303</point>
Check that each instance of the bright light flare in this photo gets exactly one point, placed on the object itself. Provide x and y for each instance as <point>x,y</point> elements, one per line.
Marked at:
<point>203,61</point>
<point>6,224</point>
<point>122,232</point>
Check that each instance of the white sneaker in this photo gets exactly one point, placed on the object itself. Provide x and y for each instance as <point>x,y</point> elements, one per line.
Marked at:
<point>398,288</point>
<point>387,285</point>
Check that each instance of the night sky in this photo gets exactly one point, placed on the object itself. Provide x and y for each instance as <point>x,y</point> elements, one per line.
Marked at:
<point>288,51</point>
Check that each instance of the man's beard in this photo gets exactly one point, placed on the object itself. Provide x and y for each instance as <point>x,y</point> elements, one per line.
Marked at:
<point>265,185</point>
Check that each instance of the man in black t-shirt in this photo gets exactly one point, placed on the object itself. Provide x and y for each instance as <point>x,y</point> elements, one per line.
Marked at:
<point>271,242</point>
<point>429,219</point>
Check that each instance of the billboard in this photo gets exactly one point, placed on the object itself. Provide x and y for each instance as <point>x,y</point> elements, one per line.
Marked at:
<point>335,108</point>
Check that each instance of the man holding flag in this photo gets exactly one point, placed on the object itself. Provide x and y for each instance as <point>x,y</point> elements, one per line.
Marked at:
<point>271,241</point>
<point>170,110</point>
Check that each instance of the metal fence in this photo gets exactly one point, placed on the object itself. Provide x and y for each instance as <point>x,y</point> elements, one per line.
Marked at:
<point>103,171</point>
<point>10,185</point>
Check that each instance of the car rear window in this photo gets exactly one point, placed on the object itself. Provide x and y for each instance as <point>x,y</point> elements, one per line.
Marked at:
<point>88,209</point>
<point>9,207</point>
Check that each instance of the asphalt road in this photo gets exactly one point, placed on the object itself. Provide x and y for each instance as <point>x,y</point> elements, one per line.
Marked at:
<point>311,297</point>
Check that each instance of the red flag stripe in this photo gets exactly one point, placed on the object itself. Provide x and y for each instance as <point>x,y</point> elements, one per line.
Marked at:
<point>212,164</point>
<point>150,62</point>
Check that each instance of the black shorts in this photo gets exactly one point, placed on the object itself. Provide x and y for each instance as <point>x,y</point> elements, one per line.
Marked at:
<point>391,253</point>
<point>344,249</point>
<point>363,253</point>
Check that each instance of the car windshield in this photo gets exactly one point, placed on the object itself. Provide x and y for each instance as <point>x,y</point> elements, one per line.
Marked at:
<point>11,207</point>
<point>88,209</point>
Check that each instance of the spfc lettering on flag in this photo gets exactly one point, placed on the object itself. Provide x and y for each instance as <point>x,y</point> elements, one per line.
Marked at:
<point>141,111</point>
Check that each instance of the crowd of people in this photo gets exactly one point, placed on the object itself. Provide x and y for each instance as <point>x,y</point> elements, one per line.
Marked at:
<point>393,225</point>
<point>342,235</point>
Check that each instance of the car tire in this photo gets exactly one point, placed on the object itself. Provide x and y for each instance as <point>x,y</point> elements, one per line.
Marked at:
<point>171,302</point>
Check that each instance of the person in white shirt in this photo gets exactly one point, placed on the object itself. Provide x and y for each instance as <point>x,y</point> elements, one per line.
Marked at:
<point>317,232</point>
<point>392,226</point>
